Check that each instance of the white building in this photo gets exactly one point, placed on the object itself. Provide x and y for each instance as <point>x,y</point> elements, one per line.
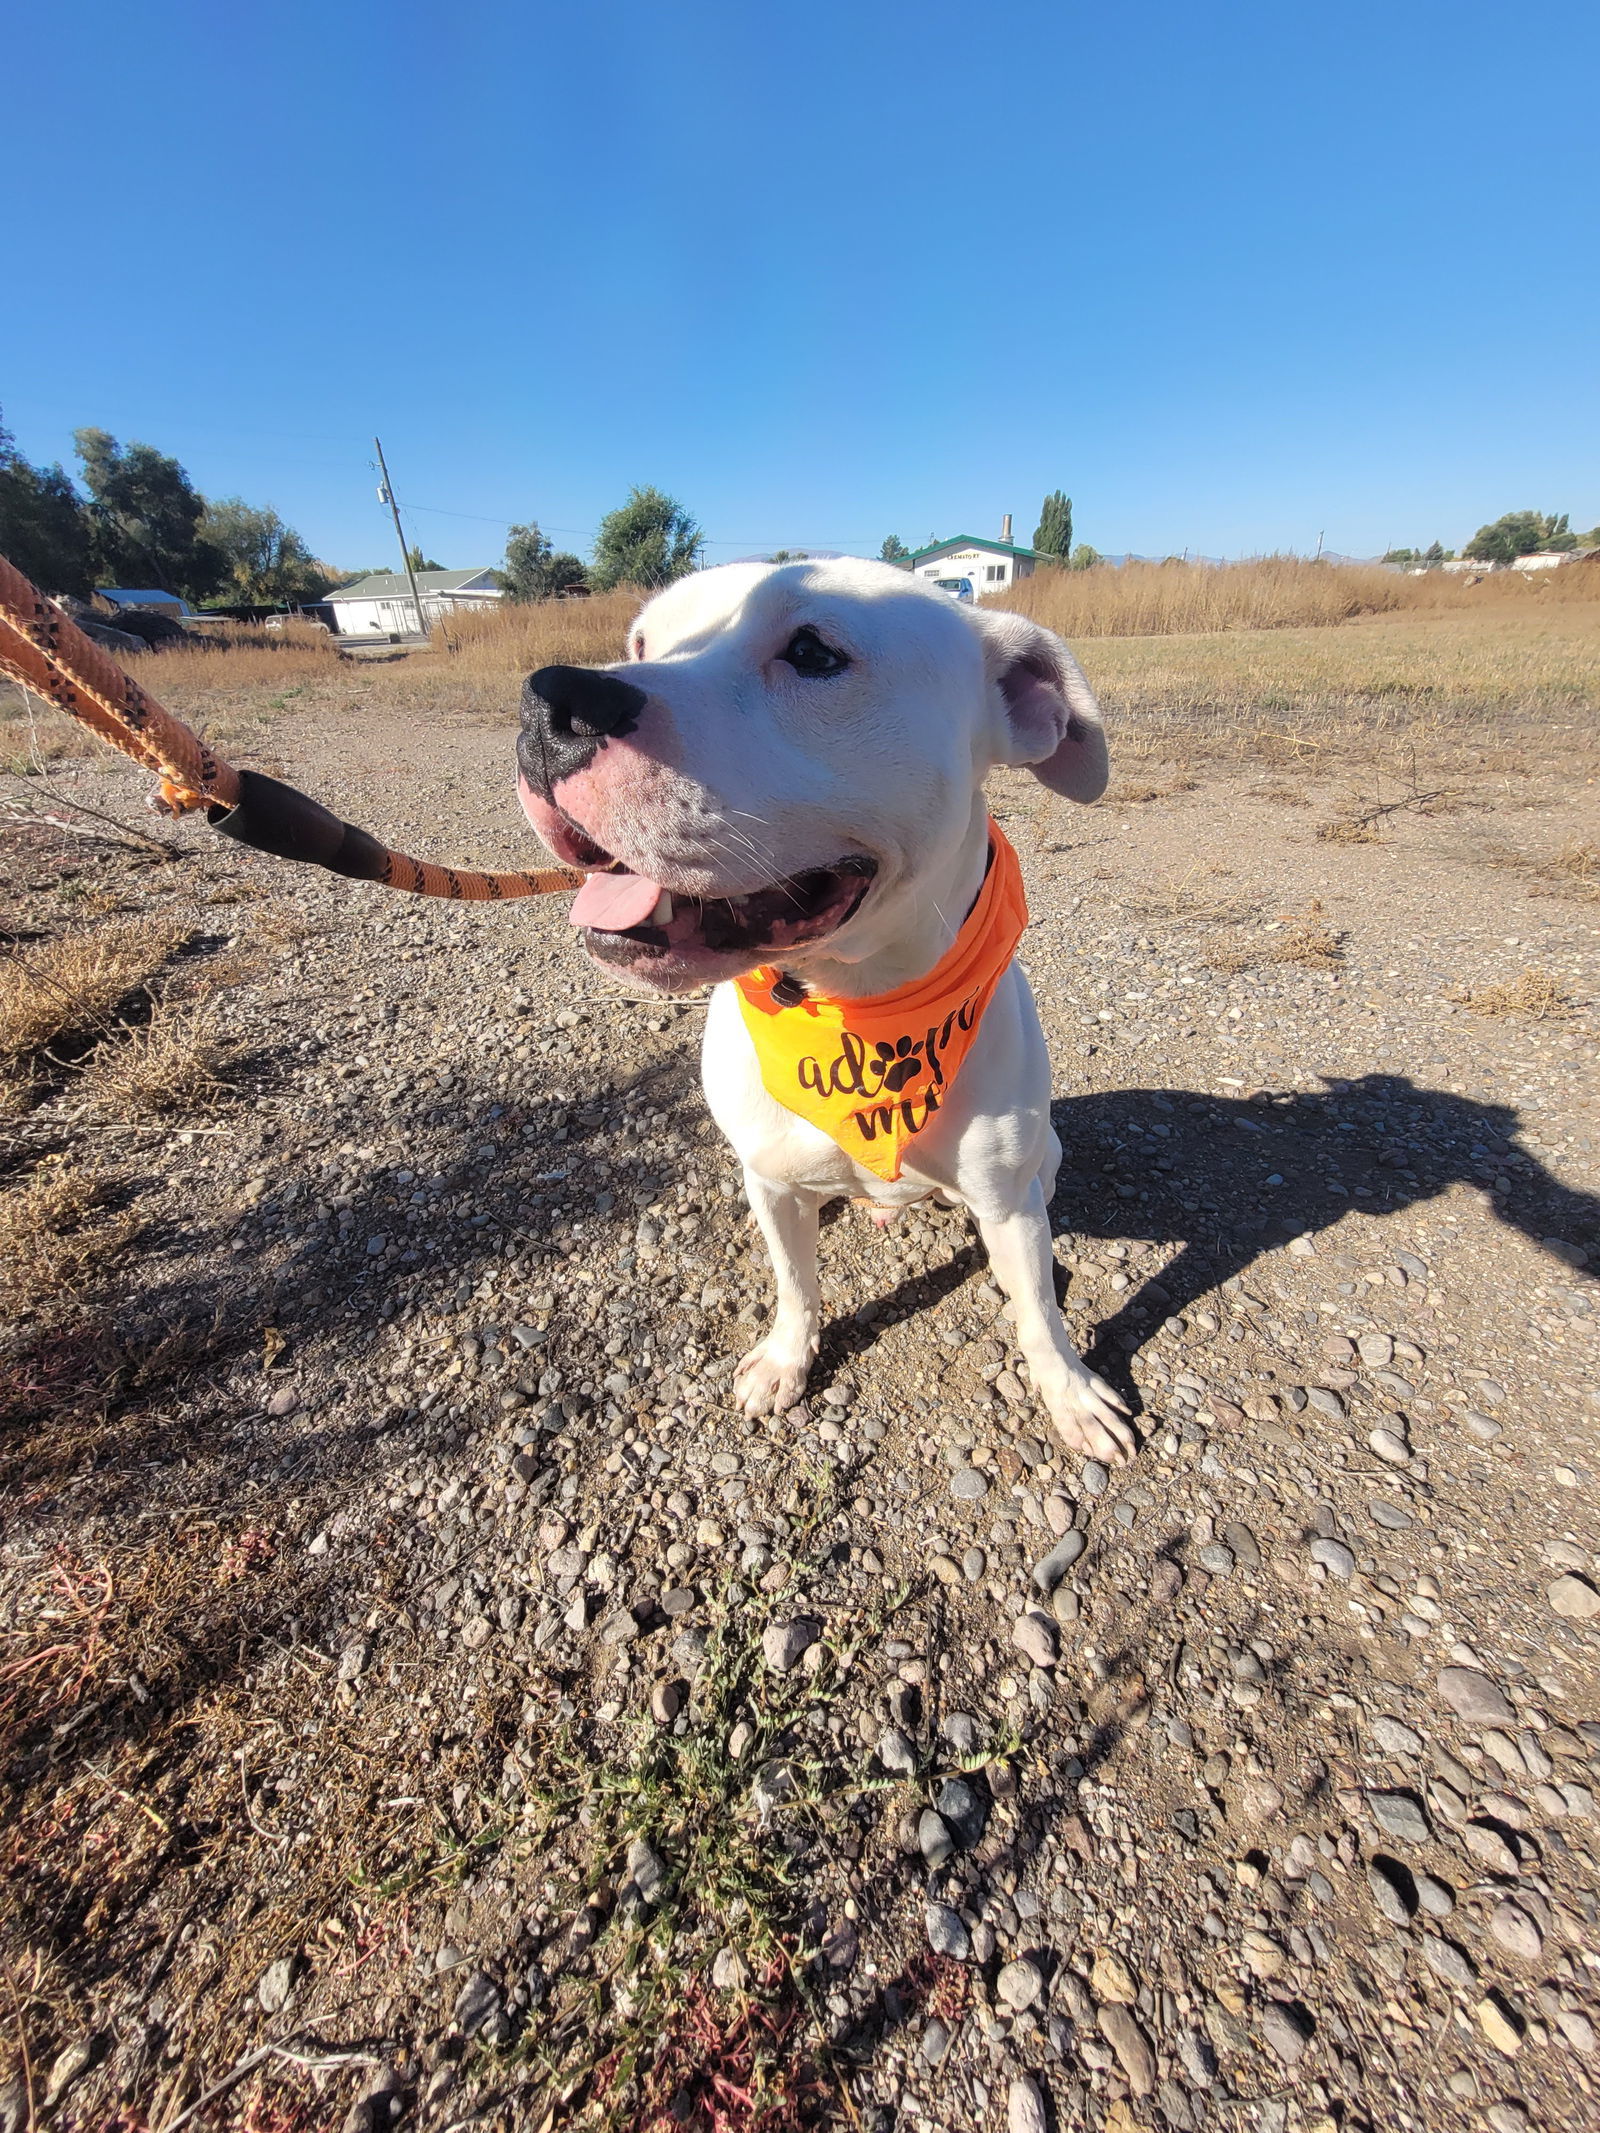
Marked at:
<point>382,606</point>
<point>988,566</point>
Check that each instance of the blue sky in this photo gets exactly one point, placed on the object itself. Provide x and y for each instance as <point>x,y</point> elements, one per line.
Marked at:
<point>1232,276</point>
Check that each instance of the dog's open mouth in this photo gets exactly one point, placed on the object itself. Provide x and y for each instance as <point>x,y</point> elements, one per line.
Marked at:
<point>645,925</point>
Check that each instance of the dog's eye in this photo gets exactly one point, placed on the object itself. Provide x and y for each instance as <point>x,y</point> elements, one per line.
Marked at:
<point>810,657</point>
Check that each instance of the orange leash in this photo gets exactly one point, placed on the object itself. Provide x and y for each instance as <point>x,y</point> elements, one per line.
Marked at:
<point>46,652</point>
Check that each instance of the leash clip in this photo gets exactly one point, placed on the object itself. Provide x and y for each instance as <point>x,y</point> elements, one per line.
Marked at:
<point>788,991</point>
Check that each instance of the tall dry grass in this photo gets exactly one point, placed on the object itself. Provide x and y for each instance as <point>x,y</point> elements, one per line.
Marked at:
<point>1279,650</point>
<point>472,658</point>
<point>515,637</point>
<point>1274,592</point>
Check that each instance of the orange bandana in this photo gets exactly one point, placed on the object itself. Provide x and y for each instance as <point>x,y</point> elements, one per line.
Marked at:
<point>870,1073</point>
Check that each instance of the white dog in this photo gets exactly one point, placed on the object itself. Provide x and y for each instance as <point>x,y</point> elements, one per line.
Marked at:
<point>786,778</point>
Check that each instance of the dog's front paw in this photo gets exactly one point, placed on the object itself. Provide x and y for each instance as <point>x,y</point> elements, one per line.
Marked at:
<point>770,1380</point>
<point>1089,1417</point>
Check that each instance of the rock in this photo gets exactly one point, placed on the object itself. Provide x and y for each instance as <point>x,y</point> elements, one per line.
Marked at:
<point>1436,1897</point>
<point>1325,1401</point>
<point>1110,1979</point>
<point>1449,1962</point>
<point>935,2041</point>
<point>1052,1568</point>
<point>1393,1890</point>
<point>1025,2111</point>
<point>1574,1598</point>
<point>963,1809</point>
<point>967,1485</point>
<point>946,1933</point>
<point>666,1701</point>
<point>960,1729</point>
<point>1288,2029</point>
<point>1490,1848</point>
<point>1095,1478</point>
<point>1393,1450</point>
<point>896,1753</point>
<point>353,1659</point>
<point>1216,1558</point>
<point>1019,1984</point>
<point>1474,1697</point>
<point>1166,1581</point>
<point>1246,1549</point>
<point>1036,1636</point>
<point>934,1840</point>
<point>1376,1350</point>
<point>1121,2030</point>
<point>69,2065</point>
<point>1578,2030</point>
<point>1390,1737</point>
<point>1516,1932</point>
<point>1334,1557</point>
<point>277,1982</point>
<point>783,1643</point>
<point>1507,2116</point>
<point>476,2004</point>
<point>1499,2025</point>
<point>1399,1815</point>
<point>729,1970</point>
<point>646,1879</point>
<point>1388,1515</point>
<point>1259,1799</point>
<point>1198,2059</point>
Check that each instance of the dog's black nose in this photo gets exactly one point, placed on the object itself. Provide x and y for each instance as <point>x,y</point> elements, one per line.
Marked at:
<point>577,704</point>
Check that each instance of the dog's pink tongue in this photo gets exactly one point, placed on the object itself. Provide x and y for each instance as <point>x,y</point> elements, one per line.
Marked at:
<point>611,903</point>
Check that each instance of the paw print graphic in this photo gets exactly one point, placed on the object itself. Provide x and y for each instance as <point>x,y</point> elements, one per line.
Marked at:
<point>901,1062</point>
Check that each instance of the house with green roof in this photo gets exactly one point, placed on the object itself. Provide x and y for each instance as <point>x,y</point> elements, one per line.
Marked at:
<point>381,606</point>
<point>991,566</point>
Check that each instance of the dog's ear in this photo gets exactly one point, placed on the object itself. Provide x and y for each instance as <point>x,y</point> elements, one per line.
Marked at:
<point>1046,712</point>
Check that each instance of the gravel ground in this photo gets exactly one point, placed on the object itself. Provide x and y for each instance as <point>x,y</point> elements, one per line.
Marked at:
<point>478,1723</point>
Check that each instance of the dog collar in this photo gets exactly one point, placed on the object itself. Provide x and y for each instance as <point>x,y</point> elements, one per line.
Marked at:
<point>872,1073</point>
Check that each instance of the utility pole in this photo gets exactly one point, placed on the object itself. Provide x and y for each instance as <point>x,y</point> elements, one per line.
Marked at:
<point>386,495</point>
<point>1317,558</point>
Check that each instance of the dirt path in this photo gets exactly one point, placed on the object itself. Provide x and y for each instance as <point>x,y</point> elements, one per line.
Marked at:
<point>417,1678</point>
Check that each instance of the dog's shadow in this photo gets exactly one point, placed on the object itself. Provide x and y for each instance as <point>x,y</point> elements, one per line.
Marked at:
<point>1227,1179</point>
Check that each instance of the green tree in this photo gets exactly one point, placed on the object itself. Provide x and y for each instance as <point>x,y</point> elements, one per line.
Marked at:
<point>1520,533</point>
<point>1400,555</point>
<point>419,561</point>
<point>894,550</point>
<point>1084,557</point>
<point>1434,554</point>
<point>264,562</point>
<point>44,528</point>
<point>147,517</point>
<point>788,555</point>
<point>1052,536</point>
<point>533,570</point>
<point>648,541</point>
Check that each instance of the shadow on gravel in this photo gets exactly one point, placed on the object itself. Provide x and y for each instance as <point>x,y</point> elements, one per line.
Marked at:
<point>130,1394</point>
<point>1229,1178</point>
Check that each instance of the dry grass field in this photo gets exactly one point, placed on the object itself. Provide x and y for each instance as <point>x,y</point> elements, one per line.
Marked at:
<point>390,1726</point>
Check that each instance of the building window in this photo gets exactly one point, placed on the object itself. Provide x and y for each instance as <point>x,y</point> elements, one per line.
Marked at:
<point>995,573</point>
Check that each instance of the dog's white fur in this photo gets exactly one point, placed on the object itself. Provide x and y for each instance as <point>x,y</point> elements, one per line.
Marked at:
<point>743,773</point>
